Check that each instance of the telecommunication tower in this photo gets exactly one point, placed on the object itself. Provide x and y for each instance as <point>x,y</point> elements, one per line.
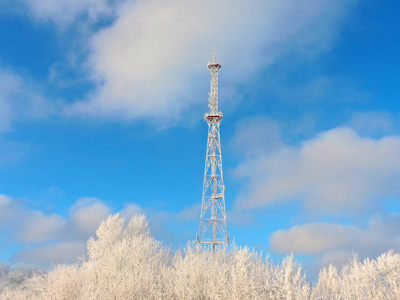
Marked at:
<point>213,229</point>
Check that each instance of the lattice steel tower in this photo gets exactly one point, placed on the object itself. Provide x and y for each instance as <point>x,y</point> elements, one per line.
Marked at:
<point>213,229</point>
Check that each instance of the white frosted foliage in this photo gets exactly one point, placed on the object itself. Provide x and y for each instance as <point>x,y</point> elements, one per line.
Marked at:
<point>125,262</point>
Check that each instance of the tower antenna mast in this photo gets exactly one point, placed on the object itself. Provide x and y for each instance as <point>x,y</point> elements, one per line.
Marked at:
<point>213,228</point>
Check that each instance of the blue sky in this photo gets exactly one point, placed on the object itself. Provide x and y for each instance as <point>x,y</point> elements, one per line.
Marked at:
<point>101,111</point>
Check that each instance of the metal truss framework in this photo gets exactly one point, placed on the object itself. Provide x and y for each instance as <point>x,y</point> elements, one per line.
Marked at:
<point>213,228</point>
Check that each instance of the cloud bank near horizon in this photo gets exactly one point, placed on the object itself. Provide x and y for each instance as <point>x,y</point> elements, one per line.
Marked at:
<point>51,237</point>
<point>336,243</point>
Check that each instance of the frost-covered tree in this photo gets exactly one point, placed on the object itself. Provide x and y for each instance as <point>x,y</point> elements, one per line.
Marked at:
<point>328,284</point>
<point>124,262</point>
<point>13,276</point>
<point>368,279</point>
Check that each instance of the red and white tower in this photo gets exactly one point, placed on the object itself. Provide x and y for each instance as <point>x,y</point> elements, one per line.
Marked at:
<point>213,227</point>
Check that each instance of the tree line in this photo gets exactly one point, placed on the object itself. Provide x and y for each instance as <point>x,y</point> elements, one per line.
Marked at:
<point>125,262</point>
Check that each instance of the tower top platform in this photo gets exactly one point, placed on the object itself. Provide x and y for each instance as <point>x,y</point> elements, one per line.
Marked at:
<point>214,64</point>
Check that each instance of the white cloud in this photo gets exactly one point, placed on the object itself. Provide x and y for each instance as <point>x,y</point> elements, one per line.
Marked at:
<point>164,224</point>
<point>256,136</point>
<point>8,209</point>
<point>19,100</point>
<point>150,62</point>
<point>9,86</point>
<point>54,237</point>
<point>189,213</point>
<point>33,226</point>
<point>317,238</point>
<point>148,59</point>
<point>39,227</point>
<point>65,12</point>
<point>372,123</point>
<point>335,243</point>
<point>130,210</point>
<point>86,215</point>
<point>333,89</point>
<point>11,152</point>
<point>337,171</point>
<point>4,201</point>
<point>66,252</point>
